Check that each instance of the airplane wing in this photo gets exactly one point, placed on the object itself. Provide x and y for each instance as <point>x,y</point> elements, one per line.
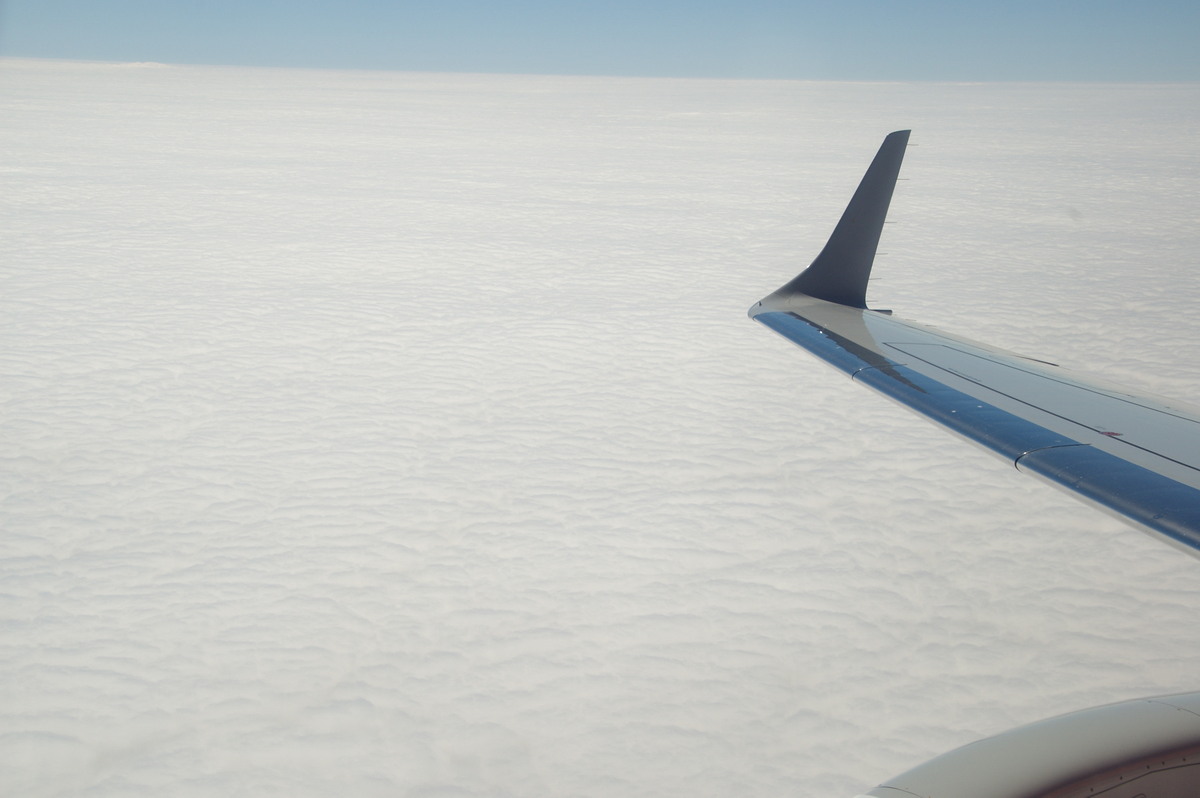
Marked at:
<point>1130,454</point>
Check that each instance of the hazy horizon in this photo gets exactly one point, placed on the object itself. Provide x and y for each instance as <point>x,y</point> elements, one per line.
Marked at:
<point>803,39</point>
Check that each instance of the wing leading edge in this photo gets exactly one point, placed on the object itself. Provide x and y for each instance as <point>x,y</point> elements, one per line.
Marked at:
<point>1133,455</point>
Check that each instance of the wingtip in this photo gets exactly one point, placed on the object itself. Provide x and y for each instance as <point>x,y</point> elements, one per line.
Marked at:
<point>840,272</point>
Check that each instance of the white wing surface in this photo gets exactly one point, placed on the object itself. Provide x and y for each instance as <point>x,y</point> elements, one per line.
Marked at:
<point>1133,455</point>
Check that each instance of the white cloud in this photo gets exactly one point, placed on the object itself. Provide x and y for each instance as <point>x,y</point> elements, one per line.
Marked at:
<point>372,433</point>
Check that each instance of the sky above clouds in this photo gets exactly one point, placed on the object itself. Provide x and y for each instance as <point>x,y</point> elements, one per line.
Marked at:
<point>1077,40</point>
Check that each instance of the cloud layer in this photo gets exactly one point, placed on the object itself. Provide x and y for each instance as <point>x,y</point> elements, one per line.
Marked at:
<point>389,434</point>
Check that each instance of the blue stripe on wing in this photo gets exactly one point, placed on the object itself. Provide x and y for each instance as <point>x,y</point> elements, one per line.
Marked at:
<point>1154,501</point>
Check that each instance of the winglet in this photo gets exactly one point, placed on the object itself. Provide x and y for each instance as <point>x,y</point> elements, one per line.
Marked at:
<point>840,273</point>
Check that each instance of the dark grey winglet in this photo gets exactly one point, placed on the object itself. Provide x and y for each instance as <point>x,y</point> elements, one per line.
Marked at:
<point>840,273</point>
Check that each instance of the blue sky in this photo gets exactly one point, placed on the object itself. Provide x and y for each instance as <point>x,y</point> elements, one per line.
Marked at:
<point>1146,40</point>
